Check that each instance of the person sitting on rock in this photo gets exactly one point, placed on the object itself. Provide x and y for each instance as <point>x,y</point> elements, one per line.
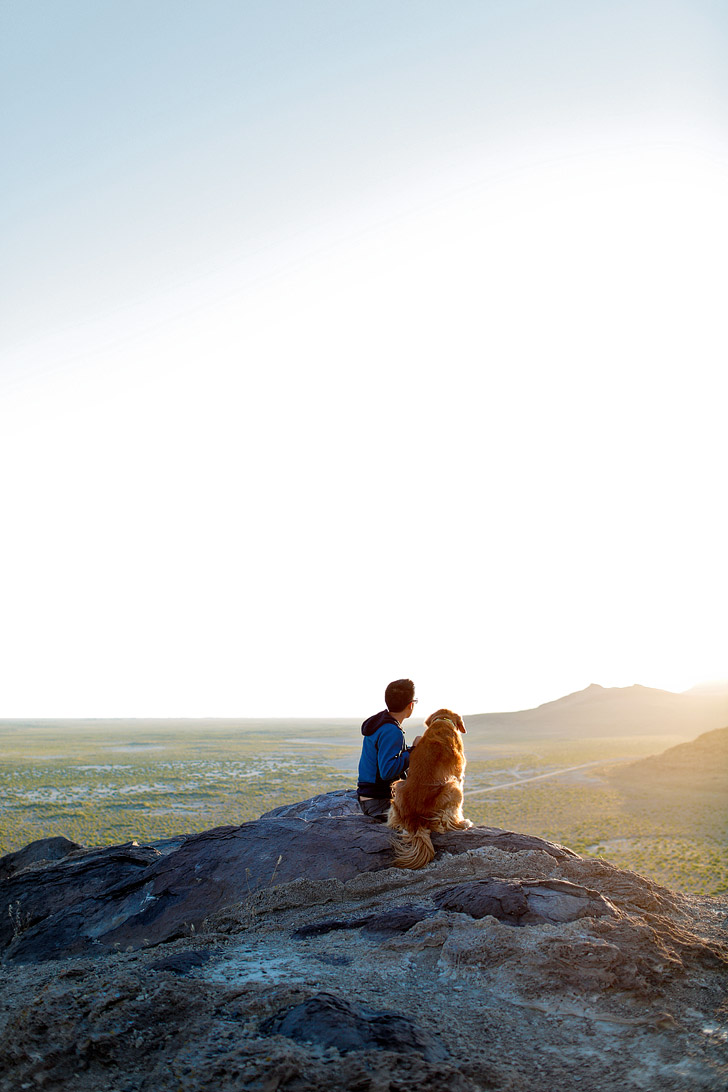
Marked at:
<point>384,755</point>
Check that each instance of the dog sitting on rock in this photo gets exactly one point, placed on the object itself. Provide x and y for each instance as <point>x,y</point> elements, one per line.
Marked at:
<point>431,799</point>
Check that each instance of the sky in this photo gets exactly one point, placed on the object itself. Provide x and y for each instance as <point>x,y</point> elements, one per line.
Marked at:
<point>344,342</point>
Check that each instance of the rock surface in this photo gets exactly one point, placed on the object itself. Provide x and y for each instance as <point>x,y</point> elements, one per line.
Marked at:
<point>295,957</point>
<point>329,1021</point>
<point>134,896</point>
<point>47,849</point>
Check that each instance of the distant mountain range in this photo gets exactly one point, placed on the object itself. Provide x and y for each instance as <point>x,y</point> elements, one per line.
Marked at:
<point>613,711</point>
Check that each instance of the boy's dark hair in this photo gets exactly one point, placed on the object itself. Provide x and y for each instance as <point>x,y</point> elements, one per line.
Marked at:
<point>399,694</point>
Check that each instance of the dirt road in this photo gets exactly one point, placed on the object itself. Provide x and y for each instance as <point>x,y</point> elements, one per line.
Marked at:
<point>540,777</point>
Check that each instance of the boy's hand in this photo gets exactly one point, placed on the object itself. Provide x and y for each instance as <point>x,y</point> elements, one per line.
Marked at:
<point>414,742</point>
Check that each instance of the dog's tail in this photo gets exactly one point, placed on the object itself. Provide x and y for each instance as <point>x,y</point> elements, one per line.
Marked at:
<point>413,850</point>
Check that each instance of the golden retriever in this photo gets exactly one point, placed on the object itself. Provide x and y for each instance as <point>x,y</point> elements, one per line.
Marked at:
<point>431,798</point>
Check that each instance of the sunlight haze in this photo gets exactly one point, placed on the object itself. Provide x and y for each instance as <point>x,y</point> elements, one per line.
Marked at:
<point>351,342</point>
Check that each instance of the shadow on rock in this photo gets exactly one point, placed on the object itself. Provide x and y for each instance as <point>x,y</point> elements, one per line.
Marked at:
<point>329,1021</point>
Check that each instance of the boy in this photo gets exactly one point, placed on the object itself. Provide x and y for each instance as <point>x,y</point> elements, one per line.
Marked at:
<point>384,756</point>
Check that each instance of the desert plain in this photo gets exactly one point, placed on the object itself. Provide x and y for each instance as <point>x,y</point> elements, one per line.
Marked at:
<point>595,771</point>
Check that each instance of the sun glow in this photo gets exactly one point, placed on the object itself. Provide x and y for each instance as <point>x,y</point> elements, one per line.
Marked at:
<point>533,359</point>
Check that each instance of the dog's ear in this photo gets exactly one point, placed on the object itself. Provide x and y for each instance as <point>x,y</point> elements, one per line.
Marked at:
<point>459,724</point>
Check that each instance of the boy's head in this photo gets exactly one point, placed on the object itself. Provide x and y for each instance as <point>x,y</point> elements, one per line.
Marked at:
<point>399,694</point>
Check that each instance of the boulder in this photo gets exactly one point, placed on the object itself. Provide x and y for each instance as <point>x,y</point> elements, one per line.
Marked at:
<point>132,896</point>
<point>45,849</point>
<point>331,1021</point>
<point>523,903</point>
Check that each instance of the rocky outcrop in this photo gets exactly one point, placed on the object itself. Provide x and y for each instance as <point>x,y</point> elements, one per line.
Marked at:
<point>67,900</point>
<point>513,902</point>
<point>295,957</point>
<point>522,903</point>
<point>37,853</point>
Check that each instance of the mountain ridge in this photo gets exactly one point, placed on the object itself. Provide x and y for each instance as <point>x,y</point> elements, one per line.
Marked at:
<point>599,711</point>
<point>698,765</point>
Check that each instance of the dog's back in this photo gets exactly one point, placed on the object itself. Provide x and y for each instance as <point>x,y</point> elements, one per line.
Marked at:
<point>436,762</point>
<point>431,798</point>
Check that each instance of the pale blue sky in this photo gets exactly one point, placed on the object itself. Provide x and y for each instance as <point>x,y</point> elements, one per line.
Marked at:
<point>145,142</point>
<point>269,265</point>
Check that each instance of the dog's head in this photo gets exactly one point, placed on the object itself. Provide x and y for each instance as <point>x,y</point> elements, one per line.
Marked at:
<point>446,714</point>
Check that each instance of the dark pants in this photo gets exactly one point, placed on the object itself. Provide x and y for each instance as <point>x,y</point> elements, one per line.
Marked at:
<point>376,809</point>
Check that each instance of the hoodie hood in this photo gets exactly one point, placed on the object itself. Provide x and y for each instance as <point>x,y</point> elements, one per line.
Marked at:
<point>370,726</point>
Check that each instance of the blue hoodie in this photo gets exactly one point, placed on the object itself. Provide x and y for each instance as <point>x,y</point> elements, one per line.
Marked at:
<point>384,758</point>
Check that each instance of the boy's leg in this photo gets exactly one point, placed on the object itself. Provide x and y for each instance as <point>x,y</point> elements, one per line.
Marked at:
<point>376,809</point>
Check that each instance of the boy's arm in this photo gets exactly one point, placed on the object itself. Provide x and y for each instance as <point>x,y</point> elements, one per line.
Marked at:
<point>392,758</point>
